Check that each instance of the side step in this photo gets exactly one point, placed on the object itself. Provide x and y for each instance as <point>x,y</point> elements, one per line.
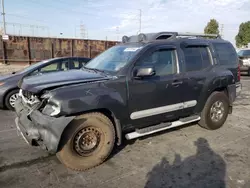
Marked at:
<point>161,127</point>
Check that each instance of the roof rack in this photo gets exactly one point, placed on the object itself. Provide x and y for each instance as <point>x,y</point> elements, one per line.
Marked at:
<point>147,37</point>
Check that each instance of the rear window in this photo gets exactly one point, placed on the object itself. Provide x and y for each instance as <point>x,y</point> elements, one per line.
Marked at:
<point>226,53</point>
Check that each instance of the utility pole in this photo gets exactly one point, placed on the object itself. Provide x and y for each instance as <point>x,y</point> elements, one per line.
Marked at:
<point>87,34</point>
<point>140,21</point>
<point>222,30</point>
<point>3,14</point>
<point>117,33</point>
<point>82,30</point>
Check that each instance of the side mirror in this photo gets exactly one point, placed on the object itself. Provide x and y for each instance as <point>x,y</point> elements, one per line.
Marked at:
<point>144,72</point>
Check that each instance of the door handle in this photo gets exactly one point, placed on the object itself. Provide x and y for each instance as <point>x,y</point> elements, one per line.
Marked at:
<point>176,83</point>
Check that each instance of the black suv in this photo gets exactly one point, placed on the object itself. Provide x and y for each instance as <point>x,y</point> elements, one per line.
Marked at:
<point>147,83</point>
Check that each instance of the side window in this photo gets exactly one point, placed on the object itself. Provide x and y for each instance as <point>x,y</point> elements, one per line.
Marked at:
<point>163,61</point>
<point>65,65</point>
<point>196,58</point>
<point>49,68</point>
<point>226,53</point>
<point>75,64</point>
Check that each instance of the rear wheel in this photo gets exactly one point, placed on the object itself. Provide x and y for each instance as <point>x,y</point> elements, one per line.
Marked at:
<point>11,98</point>
<point>215,111</point>
<point>90,142</point>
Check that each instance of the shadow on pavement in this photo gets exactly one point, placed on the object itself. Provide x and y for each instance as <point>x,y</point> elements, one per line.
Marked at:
<point>202,170</point>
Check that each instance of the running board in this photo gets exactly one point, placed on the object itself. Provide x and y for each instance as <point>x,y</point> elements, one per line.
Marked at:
<point>161,127</point>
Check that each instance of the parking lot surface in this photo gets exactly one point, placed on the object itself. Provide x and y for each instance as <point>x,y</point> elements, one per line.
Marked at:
<point>187,157</point>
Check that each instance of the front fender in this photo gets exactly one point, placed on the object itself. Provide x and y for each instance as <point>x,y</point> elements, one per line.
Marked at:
<point>87,97</point>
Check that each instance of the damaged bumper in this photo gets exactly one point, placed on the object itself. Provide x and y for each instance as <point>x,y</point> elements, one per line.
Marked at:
<point>38,129</point>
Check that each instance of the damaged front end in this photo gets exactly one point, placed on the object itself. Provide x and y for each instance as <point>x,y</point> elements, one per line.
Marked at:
<point>39,122</point>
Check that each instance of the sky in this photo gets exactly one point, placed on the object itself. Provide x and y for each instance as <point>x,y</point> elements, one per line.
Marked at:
<point>111,19</point>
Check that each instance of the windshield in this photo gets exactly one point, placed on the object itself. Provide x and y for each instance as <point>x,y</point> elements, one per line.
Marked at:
<point>244,53</point>
<point>32,66</point>
<point>114,58</point>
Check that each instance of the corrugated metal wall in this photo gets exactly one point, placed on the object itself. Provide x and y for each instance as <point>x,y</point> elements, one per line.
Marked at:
<point>20,49</point>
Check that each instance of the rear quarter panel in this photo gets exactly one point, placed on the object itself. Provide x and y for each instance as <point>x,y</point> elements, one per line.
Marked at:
<point>217,79</point>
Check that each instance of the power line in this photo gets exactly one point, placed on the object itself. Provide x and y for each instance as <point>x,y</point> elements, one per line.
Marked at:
<point>25,17</point>
<point>32,28</point>
<point>69,10</point>
<point>82,7</point>
<point>60,9</point>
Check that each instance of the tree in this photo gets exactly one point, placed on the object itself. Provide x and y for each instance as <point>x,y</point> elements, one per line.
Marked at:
<point>243,36</point>
<point>212,27</point>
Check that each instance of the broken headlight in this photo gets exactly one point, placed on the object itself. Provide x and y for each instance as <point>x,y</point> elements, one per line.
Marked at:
<point>50,108</point>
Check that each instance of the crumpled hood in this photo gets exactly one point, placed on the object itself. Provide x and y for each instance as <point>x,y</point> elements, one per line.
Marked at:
<point>37,83</point>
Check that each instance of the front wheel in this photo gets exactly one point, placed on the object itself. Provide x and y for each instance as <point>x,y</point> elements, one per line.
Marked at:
<point>90,142</point>
<point>11,98</point>
<point>215,111</point>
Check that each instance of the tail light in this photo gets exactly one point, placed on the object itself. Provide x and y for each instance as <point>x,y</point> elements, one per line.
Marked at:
<point>238,72</point>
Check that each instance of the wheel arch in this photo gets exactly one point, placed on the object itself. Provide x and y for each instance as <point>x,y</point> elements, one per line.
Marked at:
<point>202,101</point>
<point>104,111</point>
<point>6,93</point>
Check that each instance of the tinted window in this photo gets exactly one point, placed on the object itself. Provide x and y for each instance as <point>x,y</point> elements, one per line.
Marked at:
<point>65,64</point>
<point>50,68</point>
<point>244,53</point>
<point>225,53</point>
<point>196,58</point>
<point>75,64</point>
<point>33,66</point>
<point>163,61</point>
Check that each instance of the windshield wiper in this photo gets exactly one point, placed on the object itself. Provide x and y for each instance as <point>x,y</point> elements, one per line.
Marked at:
<point>94,69</point>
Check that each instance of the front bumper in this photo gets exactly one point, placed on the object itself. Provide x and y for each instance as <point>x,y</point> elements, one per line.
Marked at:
<point>38,129</point>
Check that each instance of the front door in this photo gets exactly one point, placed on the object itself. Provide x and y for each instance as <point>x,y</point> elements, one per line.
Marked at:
<point>156,98</point>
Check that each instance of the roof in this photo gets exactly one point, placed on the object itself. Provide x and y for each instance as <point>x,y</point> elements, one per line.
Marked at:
<point>171,37</point>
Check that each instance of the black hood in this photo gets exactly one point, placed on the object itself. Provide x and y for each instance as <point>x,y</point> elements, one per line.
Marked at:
<point>37,83</point>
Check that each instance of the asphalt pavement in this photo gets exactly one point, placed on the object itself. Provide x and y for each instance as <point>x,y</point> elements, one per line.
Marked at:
<point>189,157</point>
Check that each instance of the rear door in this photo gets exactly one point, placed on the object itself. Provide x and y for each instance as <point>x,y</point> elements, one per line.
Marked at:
<point>197,66</point>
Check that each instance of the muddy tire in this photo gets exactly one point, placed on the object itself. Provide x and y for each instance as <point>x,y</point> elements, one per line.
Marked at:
<point>10,99</point>
<point>89,141</point>
<point>215,111</point>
